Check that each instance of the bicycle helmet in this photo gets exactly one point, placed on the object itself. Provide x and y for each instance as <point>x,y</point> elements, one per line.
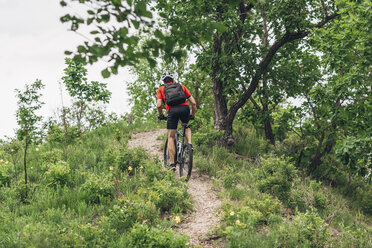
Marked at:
<point>167,74</point>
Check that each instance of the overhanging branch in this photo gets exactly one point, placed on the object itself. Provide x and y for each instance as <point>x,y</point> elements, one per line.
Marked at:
<point>287,37</point>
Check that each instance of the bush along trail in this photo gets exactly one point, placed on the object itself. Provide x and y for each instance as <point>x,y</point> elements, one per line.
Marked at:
<point>200,223</point>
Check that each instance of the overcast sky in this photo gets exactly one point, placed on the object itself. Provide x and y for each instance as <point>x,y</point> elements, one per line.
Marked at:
<point>32,42</point>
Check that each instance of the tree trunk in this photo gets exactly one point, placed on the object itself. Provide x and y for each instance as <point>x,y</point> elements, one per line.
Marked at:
<point>221,120</point>
<point>196,95</point>
<point>25,160</point>
<point>269,135</point>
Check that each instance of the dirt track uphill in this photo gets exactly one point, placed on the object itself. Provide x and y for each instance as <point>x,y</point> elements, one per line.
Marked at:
<point>200,222</point>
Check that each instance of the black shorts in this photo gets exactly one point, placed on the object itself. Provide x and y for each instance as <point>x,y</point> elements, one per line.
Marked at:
<point>176,113</point>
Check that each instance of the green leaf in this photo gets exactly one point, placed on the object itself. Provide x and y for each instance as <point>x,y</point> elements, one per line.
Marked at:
<point>219,27</point>
<point>105,18</point>
<point>90,12</point>
<point>90,20</point>
<point>123,32</point>
<point>135,24</point>
<point>116,2</point>
<point>94,32</point>
<point>105,73</point>
<point>81,49</point>
<point>68,52</point>
<point>114,70</point>
<point>152,62</point>
<point>63,3</point>
<point>158,34</point>
<point>140,7</point>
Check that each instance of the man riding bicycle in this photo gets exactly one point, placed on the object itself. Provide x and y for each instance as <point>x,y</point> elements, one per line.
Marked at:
<point>175,97</point>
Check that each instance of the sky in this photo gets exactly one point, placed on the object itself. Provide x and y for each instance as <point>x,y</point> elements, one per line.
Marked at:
<point>32,42</point>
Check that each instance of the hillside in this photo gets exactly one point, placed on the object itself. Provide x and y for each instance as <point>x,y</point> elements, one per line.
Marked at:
<point>98,191</point>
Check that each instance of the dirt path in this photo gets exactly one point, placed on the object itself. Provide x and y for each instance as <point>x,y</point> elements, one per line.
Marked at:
<point>199,223</point>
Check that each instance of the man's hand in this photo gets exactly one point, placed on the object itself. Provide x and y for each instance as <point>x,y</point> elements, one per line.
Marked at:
<point>161,117</point>
<point>192,117</point>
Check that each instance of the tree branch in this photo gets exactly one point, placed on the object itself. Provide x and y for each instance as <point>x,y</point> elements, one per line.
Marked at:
<point>262,66</point>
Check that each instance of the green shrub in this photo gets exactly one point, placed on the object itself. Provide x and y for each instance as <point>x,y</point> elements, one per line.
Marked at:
<point>366,200</point>
<point>306,194</point>
<point>352,236</point>
<point>125,159</point>
<point>5,178</point>
<point>207,137</point>
<point>275,177</point>
<point>153,171</point>
<point>168,195</point>
<point>44,235</point>
<point>93,235</point>
<point>143,236</point>
<point>22,191</point>
<point>253,212</point>
<point>98,188</point>
<point>231,179</point>
<point>51,157</point>
<point>306,230</point>
<point>58,174</point>
<point>248,142</point>
<point>122,218</point>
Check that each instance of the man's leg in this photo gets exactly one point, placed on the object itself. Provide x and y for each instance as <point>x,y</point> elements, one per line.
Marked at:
<point>171,148</point>
<point>188,135</point>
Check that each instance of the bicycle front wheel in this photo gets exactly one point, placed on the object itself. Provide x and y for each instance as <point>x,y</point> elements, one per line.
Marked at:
<point>186,165</point>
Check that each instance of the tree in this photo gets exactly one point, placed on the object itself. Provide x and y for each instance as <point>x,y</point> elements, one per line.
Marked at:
<point>227,33</point>
<point>113,25</point>
<point>340,103</point>
<point>28,104</point>
<point>78,87</point>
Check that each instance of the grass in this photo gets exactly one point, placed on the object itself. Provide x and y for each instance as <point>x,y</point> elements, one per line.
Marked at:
<point>92,192</point>
<point>252,179</point>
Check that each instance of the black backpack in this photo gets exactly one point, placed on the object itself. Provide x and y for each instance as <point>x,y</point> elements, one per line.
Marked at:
<point>174,94</point>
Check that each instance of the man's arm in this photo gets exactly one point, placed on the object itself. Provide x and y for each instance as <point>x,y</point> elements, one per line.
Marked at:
<point>159,106</point>
<point>193,105</point>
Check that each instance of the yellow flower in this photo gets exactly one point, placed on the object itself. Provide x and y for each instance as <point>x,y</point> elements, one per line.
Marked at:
<point>111,167</point>
<point>237,222</point>
<point>141,167</point>
<point>37,149</point>
<point>232,213</point>
<point>130,168</point>
<point>177,219</point>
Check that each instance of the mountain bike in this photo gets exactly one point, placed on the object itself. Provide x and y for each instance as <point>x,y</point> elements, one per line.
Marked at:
<point>183,155</point>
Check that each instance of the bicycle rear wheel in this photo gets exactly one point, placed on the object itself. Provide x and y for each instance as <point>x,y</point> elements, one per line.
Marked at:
<point>166,162</point>
<point>186,165</point>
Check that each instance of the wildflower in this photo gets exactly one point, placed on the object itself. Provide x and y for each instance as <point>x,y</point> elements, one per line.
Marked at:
<point>232,213</point>
<point>12,150</point>
<point>37,149</point>
<point>177,219</point>
<point>237,222</point>
<point>6,162</point>
<point>130,168</point>
<point>141,167</point>
<point>111,167</point>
